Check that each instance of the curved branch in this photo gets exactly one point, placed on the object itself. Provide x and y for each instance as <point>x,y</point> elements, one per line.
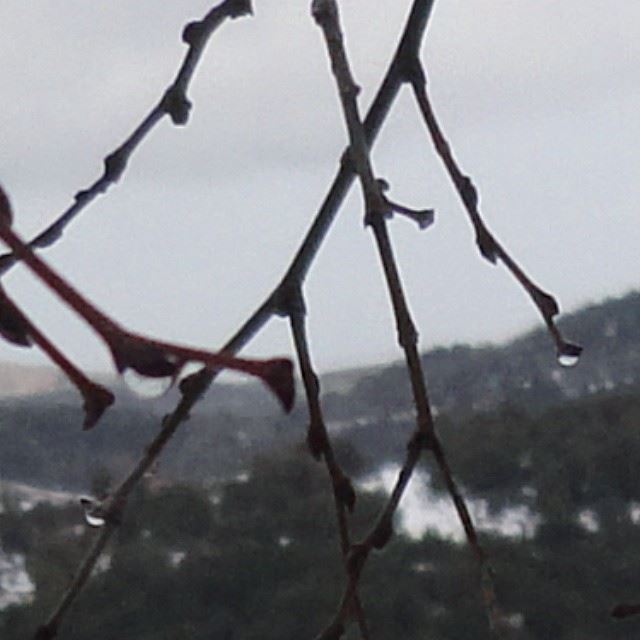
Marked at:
<point>194,386</point>
<point>490,248</point>
<point>173,103</point>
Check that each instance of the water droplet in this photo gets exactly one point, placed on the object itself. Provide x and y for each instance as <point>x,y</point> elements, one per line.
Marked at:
<point>567,360</point>
<point>93,520</point>
<point>569,356</point>
<point>93,514</point>
<point>144,386</point>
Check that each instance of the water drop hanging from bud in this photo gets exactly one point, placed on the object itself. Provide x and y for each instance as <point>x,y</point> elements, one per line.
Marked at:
<point>145,386</point>
<point>569,356</point>
<point>93,513</point>
<point>566,360</point>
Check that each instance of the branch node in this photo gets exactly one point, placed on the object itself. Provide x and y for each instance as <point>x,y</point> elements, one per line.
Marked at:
<point>422,217</point>
<point>83,196</point>
<point>356,558</point>
<point>344,492</point>
<point>287,300</point>
<point>97,399</point>
<point>193,32</point>
<point>411,70</point>
<point>238,8</point>
<point>487,244</point>
<point>382,533</point>
<point>114,165</point>
<point>407,334</point>
<point>317,441</point>
<point>195,384</point>
<point>420,441</point>
<point>469,193</point>
<point>13,326</point>
<point>324,11</point>
<point>176,105</point>
<point>6,212</point>
<point>546,303</point>
<point>375,213</point>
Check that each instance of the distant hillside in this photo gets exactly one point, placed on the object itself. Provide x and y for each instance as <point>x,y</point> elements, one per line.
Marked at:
<point>21,380</point>
<point>41,441</point>
<point>464,379</point>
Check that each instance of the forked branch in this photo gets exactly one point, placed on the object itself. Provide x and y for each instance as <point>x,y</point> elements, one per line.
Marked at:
<point>326,15</point>
<point>150,357</point>
<point>195,385</point>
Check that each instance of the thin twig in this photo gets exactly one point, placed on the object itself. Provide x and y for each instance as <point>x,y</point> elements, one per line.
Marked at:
<point>326,15</point>
<point>344,496</point>
<point>194,386</point>
<point>49,630</point>
<point>489,247</point>
<point>113,513</point>
<point>173,103</point>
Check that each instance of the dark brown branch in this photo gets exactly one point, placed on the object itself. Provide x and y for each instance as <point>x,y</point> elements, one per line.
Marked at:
<point>326,15</point>
<point>49,630</point>
<point>173,103</point>
<point>490,248</point>
<point>344,496</point>
<point>113,511</point>
<point>194,386</point>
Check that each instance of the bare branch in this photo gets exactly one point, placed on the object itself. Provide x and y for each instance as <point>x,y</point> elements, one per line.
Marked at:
<point>326,15</point>
<point>344,496</point>
<point>195,385</point>
<point>49,630</point>
<point>150,357</point>
<point>97,398</point>
<point>173,103</point>
<point>490,248</point>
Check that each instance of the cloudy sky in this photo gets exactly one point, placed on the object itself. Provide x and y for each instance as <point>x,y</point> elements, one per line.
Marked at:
<point>540,100</point>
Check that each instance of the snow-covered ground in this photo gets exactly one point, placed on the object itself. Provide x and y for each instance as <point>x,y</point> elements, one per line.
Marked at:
<point>421,510</point>
<point>16,586</point>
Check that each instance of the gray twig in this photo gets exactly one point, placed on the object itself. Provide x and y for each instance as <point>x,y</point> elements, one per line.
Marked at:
<point>173,103</point>
<point>194,386</point>
<point>489,247</point>
<point>344,496</point>
<point>326,15</point>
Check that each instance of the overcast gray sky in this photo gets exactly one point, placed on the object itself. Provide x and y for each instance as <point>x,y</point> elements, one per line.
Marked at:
<point>540,100</point>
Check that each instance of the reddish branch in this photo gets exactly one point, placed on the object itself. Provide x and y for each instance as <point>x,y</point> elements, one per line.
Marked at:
<point>150,357</point>
<point>97,398</point>
<point>194,386</point>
